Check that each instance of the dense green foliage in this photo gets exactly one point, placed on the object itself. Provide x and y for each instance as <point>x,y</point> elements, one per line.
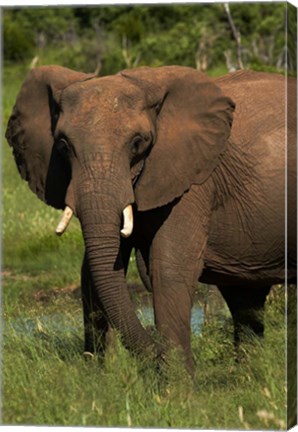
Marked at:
<point>110,38</point>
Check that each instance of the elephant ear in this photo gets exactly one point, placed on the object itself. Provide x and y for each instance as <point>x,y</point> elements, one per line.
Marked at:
<point>30,132</point>
<point>193,123</point>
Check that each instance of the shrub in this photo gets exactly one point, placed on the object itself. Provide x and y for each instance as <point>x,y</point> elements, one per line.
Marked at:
<point>18,41</point>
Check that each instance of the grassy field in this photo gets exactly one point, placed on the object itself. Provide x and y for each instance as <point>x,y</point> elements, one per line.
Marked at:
<point>47,382</point>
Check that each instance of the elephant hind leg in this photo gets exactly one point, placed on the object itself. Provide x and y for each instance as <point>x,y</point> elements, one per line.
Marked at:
<point>246,305</point>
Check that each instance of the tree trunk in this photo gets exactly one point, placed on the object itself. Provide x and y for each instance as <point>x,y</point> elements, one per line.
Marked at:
<point>236,35</point>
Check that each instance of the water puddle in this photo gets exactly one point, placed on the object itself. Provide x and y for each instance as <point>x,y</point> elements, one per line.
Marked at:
<point>145,314</point>
<point>59,323</point>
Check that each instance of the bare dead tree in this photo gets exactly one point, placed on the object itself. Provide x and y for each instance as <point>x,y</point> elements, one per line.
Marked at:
<point>229,62</point>
<point>34,62</point>
<point>99,48</point>
<point>98,67</point>
<point>131,60</point>
<point>204,47</point>
<point>236,35</point>
<point>201,56</point>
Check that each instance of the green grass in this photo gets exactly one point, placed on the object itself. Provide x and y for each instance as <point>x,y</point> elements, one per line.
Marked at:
<point>47,382</point>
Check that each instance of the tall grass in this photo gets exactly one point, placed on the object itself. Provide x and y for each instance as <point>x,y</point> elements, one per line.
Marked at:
<point>47,382</point>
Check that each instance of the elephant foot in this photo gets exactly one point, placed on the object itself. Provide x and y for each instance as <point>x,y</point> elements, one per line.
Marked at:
<point>246,305</point>
<point>246,337</point>
<point>168,359</point>
<point>248,326</point>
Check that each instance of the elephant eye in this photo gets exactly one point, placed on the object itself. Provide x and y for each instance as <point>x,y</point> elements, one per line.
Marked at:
<point>136,146</point>
<point>140,144</point>
<point>62,146</point>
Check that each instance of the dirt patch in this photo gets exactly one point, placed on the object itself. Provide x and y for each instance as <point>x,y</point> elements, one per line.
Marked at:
<point>46,296</point>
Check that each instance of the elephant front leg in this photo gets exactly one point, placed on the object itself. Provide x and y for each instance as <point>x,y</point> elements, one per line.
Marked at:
<point>172,301</point>
<point>95,324</point>
<point>176,262</point>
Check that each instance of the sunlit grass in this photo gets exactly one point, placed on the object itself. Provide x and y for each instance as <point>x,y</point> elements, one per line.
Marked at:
<point>43,364</point>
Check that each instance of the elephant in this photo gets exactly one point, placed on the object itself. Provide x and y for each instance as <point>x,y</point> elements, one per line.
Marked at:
<point>190,172</point>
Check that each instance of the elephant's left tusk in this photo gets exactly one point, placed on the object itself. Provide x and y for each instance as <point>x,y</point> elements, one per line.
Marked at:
<point>127,221</point>
<point>64,221</point>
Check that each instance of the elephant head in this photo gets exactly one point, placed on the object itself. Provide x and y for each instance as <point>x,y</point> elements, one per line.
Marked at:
<point>97,145</point>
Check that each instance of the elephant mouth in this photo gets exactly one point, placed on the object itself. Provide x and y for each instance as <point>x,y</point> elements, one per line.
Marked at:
<point>125,232</point>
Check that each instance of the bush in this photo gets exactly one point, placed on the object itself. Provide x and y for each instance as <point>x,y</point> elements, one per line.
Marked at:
<point>18,41</point>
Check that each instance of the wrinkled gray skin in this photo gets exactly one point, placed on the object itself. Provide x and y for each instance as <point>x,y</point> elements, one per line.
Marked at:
<point>202,162</point>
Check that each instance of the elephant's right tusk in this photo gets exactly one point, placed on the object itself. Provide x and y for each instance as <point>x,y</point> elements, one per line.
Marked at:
<point>127,221</point>
<point>64,221</point>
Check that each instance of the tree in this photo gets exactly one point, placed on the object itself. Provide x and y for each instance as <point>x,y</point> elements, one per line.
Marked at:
<point>108,38</point>
<point>236,35</point>
<point>18,42</point>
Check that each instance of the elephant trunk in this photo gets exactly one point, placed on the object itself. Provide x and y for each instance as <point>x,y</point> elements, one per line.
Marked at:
<point>108,277</point>
<point>100,215</point>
